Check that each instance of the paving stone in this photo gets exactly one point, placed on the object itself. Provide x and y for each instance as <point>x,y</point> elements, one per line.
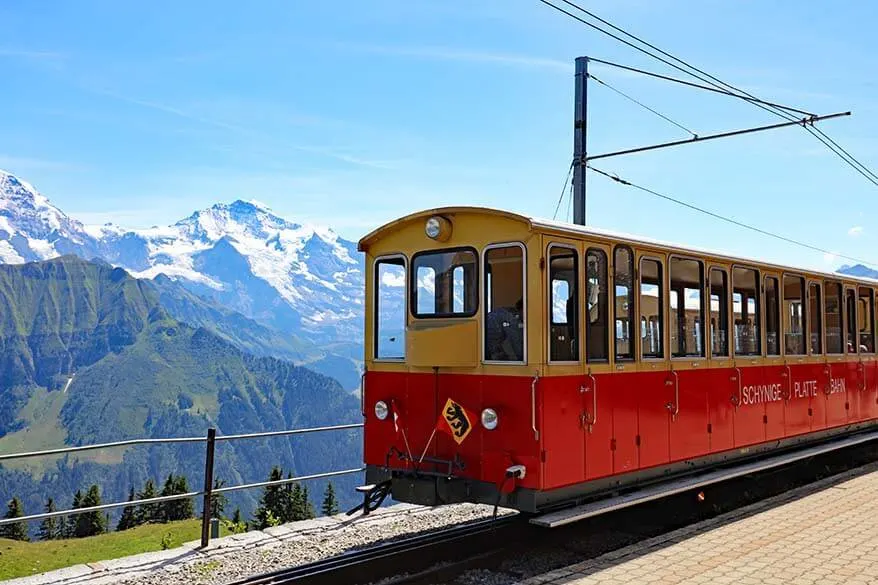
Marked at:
<point>826,532</point>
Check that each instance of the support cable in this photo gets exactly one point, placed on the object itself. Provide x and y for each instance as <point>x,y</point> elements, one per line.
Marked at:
<point>563,189</point>
<point>616,178</point>
<point>711,80</point>
<point>725,92</point>
<point>644,106</point>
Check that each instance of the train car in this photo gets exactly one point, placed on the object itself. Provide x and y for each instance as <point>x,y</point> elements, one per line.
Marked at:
<point>531,363</point>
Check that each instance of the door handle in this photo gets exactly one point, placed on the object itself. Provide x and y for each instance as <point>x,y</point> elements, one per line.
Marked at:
<point>363,393</point>
<point>674,407</point>
<point>789,376</point>
<point>736,398</point>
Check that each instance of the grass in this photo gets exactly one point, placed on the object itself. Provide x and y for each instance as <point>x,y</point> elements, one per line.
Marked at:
<point>20,559</point>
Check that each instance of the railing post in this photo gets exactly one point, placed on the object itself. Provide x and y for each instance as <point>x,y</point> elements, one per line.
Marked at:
<point>208,487</point>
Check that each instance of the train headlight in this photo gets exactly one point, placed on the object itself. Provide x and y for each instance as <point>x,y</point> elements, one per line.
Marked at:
<point>433,228</point>
<point>490,419</point>
<point>438,228</point>
<point>381,410</point>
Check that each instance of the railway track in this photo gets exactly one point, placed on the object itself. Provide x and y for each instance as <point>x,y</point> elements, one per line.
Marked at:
<point>512,546</point>
<point>410,554</point>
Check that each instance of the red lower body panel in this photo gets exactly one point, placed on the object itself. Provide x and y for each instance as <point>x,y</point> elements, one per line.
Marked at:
<point>567,430</point>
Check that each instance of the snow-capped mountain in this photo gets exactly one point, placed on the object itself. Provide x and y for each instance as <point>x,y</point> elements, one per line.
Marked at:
<point>293,277</point>
<point>31,228</point>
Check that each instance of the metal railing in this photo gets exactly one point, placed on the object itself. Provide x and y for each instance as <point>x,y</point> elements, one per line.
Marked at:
<point>210,440</point>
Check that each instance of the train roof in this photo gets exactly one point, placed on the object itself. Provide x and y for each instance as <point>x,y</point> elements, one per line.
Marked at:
<point>541,224</point>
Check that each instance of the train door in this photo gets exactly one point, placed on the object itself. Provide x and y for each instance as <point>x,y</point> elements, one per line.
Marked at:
<point>565,419</point>
<point>817,373</point>
<point>598,388</point>
<point>826,340</point>
<point>799,387</point>
<point>688,412</point>
<point>773,371</point>
<point>752,391</point>
<point>721,394</point>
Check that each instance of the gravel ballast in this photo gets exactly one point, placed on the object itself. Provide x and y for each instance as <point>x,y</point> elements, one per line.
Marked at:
<point>240,556</point>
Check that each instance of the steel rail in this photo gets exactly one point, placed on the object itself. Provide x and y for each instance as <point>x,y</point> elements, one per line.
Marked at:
<point>132,442</point>
<point>396,554</point>
<point>77,511</point>
<point>60,450</point>
<point>289,432</point>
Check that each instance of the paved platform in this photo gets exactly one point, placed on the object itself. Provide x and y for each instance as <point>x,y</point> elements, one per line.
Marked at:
<point>826,532</point>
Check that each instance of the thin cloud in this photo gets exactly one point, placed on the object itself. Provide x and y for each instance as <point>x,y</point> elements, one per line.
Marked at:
<point>855,231</point>
<point>244,131</point>
<point>27,54</point>
<point>451,54</point>
<point>19,164</point>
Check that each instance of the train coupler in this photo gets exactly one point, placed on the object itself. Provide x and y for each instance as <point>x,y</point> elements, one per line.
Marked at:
<point>373,497</point>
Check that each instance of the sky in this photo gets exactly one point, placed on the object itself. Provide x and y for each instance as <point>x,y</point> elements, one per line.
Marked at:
<point>351,113</point>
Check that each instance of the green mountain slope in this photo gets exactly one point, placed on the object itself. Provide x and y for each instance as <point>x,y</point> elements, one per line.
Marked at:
<point>90,355</point>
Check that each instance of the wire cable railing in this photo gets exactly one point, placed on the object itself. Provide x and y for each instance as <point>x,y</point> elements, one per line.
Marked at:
<point>206,493</point>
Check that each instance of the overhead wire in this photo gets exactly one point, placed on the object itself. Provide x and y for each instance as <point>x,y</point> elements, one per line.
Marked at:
<point>642,105</point>
<point>846,157</point>
<point>713,214</point>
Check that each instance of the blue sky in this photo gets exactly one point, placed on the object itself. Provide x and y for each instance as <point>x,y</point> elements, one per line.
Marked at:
<point>350,113</point>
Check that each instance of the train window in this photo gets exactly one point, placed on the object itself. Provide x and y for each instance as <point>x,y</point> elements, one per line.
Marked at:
<point>793,314</point>
<point>719,312</point>
<point>687,308</point>
<point>867,330</point>
<point>623,277</point>
<point>814,316</point>
<point>772,317</point>
<point>745,310</point>
<point>444,283</point>
<point>504,302</point>
<point>596,305</point>
<point>389,316</point>
<point>651,303</point>
<point>832,314</point>
<point>564,307</point>
<point>851,319</point>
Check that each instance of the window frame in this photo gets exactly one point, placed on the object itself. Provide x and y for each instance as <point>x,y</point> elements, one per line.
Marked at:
<point>609,349</point>
<point>483,289</point>
<point>759,302</point>
<point>661,308</point>
<point>871,307</point>
<point>806,324</point>
<point>778,307</point>
<point>856,320</point>
<point>412,292</point>
<point>376,297</point>
<point>550,293</point>
<point>704,311</point>
<point>633,324</point>
<point>822,323</point>
<point>728,300</point>
<point>841,314</point>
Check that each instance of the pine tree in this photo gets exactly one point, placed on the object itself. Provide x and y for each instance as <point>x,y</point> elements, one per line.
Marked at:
<point>236,517</point>
<point>298,503</point>
<point>218,502</point>
<point>287,503</point>
<point>147,512</point>
<point>307,506</point>
<point>129,515</point>
<point>176,509</point>
<point>271,502</point>
<point>330,503</point>
<point>70,521</point>
<point>16,530</point>
<point>91,523</point>
<point>49,529</point>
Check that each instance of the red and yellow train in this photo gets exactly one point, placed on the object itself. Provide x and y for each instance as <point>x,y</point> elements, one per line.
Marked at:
<point>532,363</point>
